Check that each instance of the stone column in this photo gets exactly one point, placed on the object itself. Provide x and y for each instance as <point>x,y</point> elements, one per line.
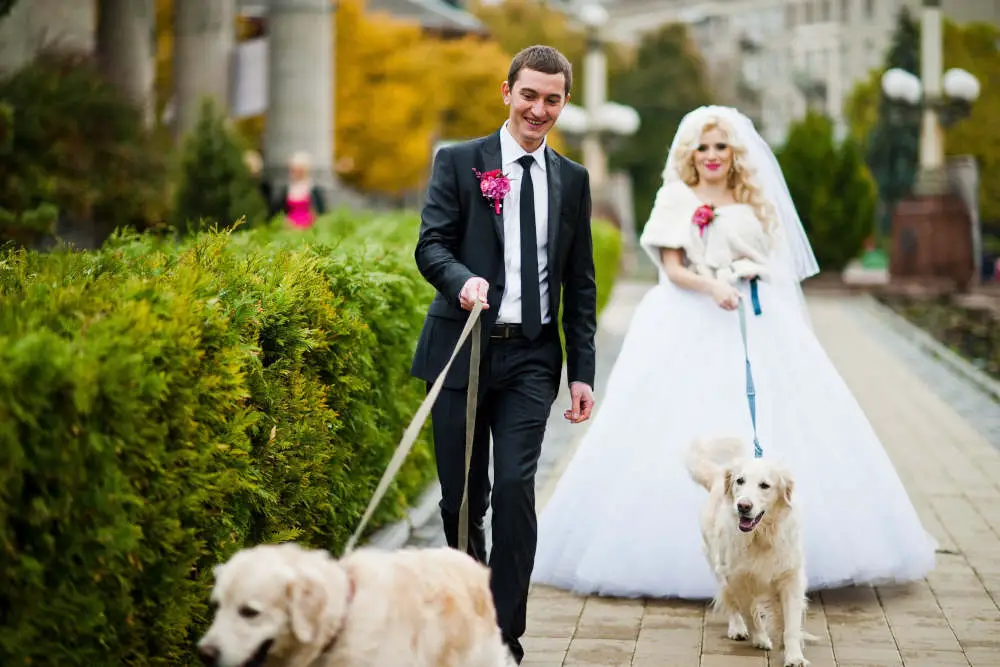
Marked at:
<point>931,229</point>
<point>931,178</point>
<point>125,54</point>
<point>300,89</point>
<point>204,35</point>
<point>32,24</point>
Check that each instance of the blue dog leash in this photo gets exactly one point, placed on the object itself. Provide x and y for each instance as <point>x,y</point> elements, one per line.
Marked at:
<point>751,392</point>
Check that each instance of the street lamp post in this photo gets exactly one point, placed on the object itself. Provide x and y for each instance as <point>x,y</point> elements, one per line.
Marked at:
<point>598,126</point>
<point>931,235</point>
<point>600,123</point>
<point>943,100</point>
<point>596,131</point>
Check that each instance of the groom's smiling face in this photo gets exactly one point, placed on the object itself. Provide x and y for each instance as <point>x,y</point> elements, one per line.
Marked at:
<point>535,99</point>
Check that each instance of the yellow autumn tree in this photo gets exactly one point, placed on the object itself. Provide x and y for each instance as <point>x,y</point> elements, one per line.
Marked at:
<point>397,92</point>
<point>400,90</point>
<point>386,112</point>
<point>163,77</point>
<point>973,47</point>
<point>471,71</point>
<point>516,24</point>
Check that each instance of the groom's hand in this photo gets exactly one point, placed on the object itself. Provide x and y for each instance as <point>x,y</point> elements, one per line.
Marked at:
<point>582,397</point>
<point>475,289</point>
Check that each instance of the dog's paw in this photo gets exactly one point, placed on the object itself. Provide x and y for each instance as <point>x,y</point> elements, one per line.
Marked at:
<point>792,660</point>
<point>738,630</point>
<point>762,641</point>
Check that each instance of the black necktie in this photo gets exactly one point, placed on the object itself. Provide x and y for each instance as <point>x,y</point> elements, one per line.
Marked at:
<point>531,309</point>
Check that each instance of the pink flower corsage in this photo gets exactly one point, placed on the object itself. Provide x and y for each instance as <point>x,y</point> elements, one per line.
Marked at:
<point>494,185</point>
<point>703,217</point>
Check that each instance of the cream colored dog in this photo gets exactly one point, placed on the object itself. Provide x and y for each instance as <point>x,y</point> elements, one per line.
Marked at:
<point>286,606</point>
<point>750,534</point>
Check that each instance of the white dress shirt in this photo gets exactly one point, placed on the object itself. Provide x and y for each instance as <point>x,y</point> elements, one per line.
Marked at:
<point>510,152</point>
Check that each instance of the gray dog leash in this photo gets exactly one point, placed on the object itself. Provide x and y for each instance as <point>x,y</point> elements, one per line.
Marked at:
<point>473,326</point>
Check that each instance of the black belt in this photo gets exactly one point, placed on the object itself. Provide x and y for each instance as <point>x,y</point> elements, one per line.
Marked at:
<point>501,331</point>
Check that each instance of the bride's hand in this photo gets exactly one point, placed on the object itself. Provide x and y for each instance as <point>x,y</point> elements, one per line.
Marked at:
<point>726,296</point>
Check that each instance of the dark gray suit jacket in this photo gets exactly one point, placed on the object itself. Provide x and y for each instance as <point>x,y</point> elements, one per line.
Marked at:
<point>461,236</point>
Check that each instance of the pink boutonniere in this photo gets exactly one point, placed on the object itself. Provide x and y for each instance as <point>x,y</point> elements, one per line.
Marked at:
<point>703,217</point>
<point>494,185</point>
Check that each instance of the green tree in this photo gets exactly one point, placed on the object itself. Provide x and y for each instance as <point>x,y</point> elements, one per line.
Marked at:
<point>385,147</point>
<point>893,145</point>
<point>73,141</point>
<point>832,190</point>
<point>861,106</point>
<point>6,6</point>
<point>215,183</point>
<point>972,47</point>
<point>666,81</point>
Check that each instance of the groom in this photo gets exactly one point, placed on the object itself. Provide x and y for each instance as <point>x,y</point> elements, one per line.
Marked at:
<point>522,262</point>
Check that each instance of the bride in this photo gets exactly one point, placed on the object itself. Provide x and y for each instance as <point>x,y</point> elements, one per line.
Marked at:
<point>623,519</point>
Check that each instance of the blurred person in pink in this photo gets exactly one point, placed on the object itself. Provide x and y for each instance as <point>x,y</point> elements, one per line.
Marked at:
<point>301,200</point>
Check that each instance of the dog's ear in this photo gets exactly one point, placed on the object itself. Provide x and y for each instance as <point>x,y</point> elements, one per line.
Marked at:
<point>307,597</point>
<point>786,485</point>
<point>728,475</point>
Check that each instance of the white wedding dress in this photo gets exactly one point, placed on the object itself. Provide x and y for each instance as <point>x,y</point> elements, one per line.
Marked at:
<point>623,519</point>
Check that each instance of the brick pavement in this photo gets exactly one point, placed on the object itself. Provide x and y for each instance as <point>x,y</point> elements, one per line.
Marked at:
<point>951,472</point>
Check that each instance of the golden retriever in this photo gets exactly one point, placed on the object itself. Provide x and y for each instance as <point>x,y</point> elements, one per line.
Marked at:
<point>750,534</point>
<point>286,606</point>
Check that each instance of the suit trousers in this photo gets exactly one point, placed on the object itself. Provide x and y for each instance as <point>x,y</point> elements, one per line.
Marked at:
<point>519,381</point>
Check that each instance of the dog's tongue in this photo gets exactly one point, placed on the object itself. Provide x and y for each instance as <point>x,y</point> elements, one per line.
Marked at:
<point>747,523</point>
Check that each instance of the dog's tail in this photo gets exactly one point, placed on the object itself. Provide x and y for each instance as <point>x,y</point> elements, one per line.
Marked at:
<point>705,458</point>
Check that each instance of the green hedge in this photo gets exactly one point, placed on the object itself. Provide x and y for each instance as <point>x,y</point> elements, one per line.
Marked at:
<point>607,259</point>
<point>162,406</point>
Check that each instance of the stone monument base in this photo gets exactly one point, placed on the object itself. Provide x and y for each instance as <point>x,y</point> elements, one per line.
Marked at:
<point>931,238</point>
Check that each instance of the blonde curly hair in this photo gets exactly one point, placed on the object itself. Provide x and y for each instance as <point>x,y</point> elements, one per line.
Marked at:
<point>741,178</point>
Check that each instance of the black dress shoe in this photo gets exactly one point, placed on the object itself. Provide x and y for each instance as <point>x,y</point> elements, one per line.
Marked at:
<point>516,650</point>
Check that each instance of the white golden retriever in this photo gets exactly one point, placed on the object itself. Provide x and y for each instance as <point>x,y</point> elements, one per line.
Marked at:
<point>287,606</point>
<point>750,534</point>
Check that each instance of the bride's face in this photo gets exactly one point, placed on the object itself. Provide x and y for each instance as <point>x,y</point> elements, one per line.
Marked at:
<point>713,156</point>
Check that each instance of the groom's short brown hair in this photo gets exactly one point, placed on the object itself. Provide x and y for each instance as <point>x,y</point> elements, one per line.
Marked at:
<point>541,58</point>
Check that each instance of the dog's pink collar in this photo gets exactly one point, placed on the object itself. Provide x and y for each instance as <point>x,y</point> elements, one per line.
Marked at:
<point>350,598</point>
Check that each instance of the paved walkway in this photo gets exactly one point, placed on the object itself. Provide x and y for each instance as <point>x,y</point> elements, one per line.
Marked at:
<point>950,468</point>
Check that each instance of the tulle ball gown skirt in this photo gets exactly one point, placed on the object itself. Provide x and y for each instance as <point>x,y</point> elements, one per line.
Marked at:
<point>624,517</point>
